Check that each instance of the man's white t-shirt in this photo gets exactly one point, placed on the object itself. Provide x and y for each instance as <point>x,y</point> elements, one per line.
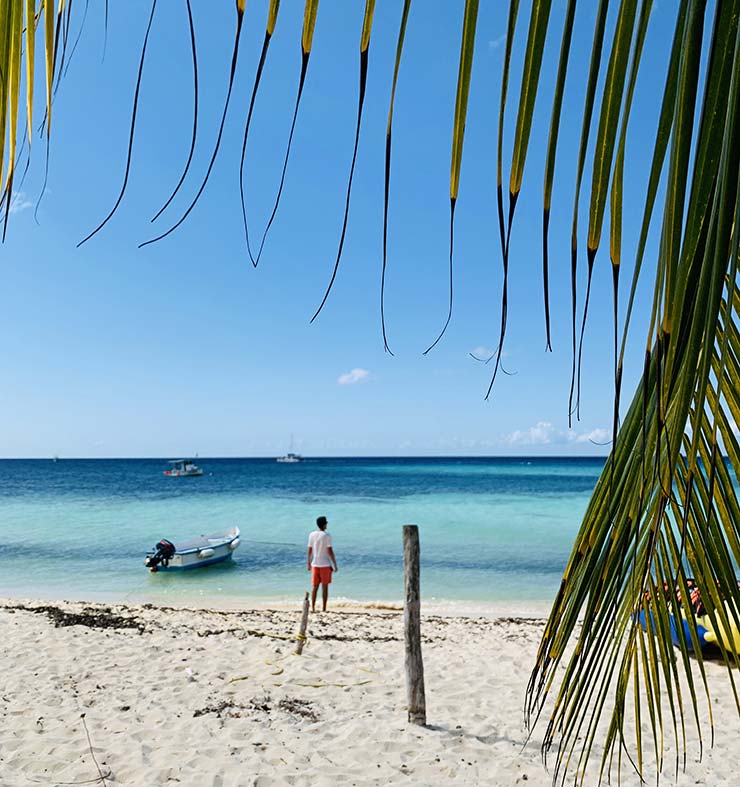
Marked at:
<point>320,541</point>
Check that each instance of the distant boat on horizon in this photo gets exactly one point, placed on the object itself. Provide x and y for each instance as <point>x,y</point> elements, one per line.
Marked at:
<point>183,468</point>
<point>290,457</point>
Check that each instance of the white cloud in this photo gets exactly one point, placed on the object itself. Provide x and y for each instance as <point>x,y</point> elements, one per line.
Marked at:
<point>544,433</point>
<point>496,42</point>
<point>600,435</point>
<point>353,376</point>
<point>19,202</point>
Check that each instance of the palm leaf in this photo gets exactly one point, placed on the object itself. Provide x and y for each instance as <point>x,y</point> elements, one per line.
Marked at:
<point>680,527</point>
<point>271,22</point>
<point>49,57</point>
<point>194,135</point>
<point>132,129</point>
<point>593,75</point>
<point>552,145</point>
<point>367,26</point>
<point>309,24</point>
<point>538,24</point>
<point>467,47</point>
<point>240,6</point>
<point>510,32</point>
<point>12,66</point>
<point>387,181</point>
<point>30,53</point>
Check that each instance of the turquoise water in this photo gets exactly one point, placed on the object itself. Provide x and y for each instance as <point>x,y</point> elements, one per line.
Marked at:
<point>491,530</point>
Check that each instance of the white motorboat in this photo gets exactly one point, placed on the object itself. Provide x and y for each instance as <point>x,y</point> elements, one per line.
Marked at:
<point>183,468</point>
<point>196,552</point>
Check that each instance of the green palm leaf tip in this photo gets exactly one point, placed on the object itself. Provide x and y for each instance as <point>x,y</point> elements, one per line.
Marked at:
<point>538,24</point>
<point>615,202</point>
<point>271,22</point>
<point>12,64</point>
<point>593,76</point>
<point>240,6</point>
<point>552,144</point>
<point>605,144</point>
<point>5,32</point>
<point>30,58</point>
<point>617,193</point>
<point>49,57</point>
<point>510,31</point>
<point>367,25</point>
<point>386,190</point>
<point>467,48</point>
<point>309,23</point>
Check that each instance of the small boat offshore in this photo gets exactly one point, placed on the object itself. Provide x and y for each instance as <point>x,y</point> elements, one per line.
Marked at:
<point>196,552</point>
<point>183,468</point>
<point>290,458</point>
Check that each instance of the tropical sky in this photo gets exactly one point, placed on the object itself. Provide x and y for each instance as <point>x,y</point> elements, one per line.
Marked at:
<point>182,347</point>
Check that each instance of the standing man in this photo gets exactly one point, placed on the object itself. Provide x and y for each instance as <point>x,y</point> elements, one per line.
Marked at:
<point>320,560</point>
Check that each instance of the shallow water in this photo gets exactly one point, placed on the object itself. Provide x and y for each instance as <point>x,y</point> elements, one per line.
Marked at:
<point>492,530</point>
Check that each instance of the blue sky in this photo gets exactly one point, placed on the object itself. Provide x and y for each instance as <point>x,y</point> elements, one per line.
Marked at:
<point>182,347</point>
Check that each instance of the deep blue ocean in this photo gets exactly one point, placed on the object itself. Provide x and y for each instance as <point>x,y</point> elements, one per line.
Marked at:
<point>492,530</point>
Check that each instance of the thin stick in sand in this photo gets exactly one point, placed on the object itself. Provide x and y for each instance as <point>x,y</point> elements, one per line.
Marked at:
<point>301,635</point>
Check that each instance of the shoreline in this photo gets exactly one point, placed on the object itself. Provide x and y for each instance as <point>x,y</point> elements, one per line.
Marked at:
<point>536,610</point>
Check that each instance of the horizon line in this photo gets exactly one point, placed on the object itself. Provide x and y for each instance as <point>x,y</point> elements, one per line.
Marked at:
<point>166,457</point>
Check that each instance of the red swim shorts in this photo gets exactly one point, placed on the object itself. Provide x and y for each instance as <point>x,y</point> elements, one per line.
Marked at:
<point>321,575</point>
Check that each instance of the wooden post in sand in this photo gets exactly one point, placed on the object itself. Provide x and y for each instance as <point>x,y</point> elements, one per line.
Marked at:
<point>417,706</point>
<point>300,637</point>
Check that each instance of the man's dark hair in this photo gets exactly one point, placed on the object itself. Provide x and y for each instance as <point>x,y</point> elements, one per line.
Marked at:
<point>321,522</point>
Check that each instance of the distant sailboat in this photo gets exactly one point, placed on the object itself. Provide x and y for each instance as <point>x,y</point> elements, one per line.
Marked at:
<point>290,457</point>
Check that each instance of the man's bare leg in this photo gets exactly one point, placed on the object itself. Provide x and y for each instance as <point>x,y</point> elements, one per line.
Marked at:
<point>325,595</point>
<point>314,591</point>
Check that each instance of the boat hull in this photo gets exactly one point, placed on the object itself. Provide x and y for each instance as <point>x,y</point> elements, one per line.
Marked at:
<point>182,563</point>
<point>187,474</point>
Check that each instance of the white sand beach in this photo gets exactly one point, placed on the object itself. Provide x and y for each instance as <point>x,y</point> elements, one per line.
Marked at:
<point>208,698</point>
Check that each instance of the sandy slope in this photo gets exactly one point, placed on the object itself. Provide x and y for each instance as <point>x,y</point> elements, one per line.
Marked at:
<point>202,698</point>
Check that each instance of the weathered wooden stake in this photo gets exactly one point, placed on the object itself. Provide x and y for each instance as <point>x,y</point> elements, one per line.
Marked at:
<point>300,637</point>
<point>412,627</point>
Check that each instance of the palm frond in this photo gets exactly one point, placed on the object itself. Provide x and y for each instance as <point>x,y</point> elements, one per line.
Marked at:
<point>272,16</point>
<point>309,25</point>
<point>467,47</point>
<point>367,26</point>
<point>664,510</point>
<point>387,180</point>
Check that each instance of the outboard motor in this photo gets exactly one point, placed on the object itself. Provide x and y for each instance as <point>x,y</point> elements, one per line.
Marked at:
<point>163,552</point>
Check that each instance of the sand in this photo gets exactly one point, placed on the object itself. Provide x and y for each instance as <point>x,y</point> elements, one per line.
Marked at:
<point>208,698</point>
